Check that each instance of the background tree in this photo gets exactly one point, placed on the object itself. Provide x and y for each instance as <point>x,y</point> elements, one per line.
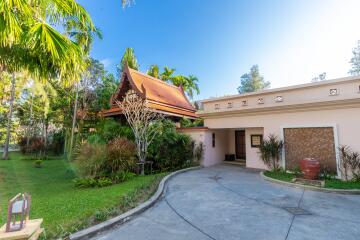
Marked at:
<point>320,77</point>
<point>189,84</point>
<point>30,41</point>
<point>128,58</point>
<point>252,81</point>
<point>153,71</point>
<point>355,61</point>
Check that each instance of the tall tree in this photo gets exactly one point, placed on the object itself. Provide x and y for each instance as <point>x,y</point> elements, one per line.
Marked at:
<point>128,58</point>
<point>153,71</point>
<point>320,77</point>
<point>252,81</point>
<point>188,83</point>
<point>30,40</point>
<point>355,61</point>
<point>167,74</point>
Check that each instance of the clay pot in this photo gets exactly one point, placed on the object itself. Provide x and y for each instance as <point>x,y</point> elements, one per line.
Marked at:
<point>310,167</point>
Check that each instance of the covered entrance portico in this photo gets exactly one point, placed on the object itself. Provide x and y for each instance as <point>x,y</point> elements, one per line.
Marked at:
<point>233,145</point>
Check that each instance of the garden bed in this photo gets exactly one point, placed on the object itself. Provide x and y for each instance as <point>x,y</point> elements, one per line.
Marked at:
<point>63,207</point>
<point>329,183</point>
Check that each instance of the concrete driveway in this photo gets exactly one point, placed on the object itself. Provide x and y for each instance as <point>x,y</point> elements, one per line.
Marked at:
<point>229,202</point>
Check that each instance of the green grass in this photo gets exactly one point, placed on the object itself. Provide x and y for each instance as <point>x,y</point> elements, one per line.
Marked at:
<point>338,184</point>
<point>54,197</point>
<point>329,183</point>
<point>286,177</point>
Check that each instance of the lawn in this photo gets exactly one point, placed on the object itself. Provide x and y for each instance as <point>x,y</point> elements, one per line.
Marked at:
<point>329,183</point>
<point>54,197</point>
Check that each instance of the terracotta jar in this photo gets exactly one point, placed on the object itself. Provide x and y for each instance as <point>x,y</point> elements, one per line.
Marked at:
<point>310,167</point>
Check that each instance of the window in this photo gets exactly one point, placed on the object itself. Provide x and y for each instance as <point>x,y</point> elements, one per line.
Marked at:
<point>244,102</point>
<point>256,140</point>
<point>229,105</point>
<point>213,140</point>
<point>261,101</point>
<point>334,92</point>
<point>217,106</point>
<point>279,99</point>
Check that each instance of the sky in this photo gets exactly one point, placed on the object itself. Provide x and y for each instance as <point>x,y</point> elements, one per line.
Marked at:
<point>292,41</point>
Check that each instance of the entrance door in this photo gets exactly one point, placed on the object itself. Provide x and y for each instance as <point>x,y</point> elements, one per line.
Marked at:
<point>240,146</point>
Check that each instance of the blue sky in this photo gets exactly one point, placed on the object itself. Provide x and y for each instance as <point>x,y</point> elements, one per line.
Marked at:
<point>292,41</point>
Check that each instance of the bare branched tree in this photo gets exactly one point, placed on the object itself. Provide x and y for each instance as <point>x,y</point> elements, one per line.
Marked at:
<point>143,121</point>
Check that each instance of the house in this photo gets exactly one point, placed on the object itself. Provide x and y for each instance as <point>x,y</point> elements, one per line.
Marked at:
<point>160,96</point>
<point>312,119</point>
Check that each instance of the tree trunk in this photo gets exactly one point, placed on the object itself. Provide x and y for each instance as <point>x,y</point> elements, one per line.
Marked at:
<point>9,123</point>
<point>30,122</point>
<point>73,122</point>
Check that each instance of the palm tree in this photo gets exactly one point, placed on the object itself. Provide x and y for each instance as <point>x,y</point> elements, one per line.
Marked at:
<point>153,71</point>
<point>30,41</point>
<point>191,85</point>
<point>166,75</point>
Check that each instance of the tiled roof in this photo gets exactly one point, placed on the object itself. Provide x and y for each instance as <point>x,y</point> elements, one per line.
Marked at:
<point>162,96</point>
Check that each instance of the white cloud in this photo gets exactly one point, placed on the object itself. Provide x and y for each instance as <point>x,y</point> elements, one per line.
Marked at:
<point>107,62</point>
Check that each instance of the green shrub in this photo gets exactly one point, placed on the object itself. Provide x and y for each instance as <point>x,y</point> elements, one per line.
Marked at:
<point>92,182</point>
<point>57,143</point>
<point>38,163</point>
<point>103,182</point>
<point>349,163</point>
<point>122,176</point>
<point>187,123</point>
<point>171,150</point>
<point>120,155</point>
<point>108,129</point>
<point>270,152</point>
<point>90,160</point>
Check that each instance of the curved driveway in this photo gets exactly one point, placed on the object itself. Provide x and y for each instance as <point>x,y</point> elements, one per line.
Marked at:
<point>229,202</point>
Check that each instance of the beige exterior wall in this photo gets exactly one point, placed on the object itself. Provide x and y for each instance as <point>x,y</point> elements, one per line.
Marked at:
<point>297,95</point>
<point>212,155</point>
<point>308,105</point>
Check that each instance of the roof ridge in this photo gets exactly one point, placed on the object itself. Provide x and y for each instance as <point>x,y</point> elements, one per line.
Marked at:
<point>155,79</point>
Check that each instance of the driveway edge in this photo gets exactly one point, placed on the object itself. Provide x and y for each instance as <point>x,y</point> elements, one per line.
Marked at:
<point>326,190</point>
<point>93,230</point>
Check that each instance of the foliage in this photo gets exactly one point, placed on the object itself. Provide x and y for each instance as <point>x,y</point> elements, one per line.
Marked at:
<point>153,71</point>
<point>108,129</point>
<point>171,150</point>
<point>355,61</point>
<point>90,160</point>
<point>320,77</point>
<point>92,182</point>
<point>122,176</point>
<point>187,123</point>
<point>44,40</point>
<point>129,59</point>
<point>120,156</point>
<point>38,163</point>
<point>36,145</point>
<point>63,207</point>
<point>280,175</point>
<point>349,163</point>
<point>252,81</point>
<point>188,83</point>
<point>270,152</point>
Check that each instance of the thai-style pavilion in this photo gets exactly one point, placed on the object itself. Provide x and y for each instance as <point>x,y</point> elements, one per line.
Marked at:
<point>161,96</point>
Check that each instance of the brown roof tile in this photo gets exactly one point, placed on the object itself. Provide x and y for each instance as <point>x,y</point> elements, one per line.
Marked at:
<point>162,96</point>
